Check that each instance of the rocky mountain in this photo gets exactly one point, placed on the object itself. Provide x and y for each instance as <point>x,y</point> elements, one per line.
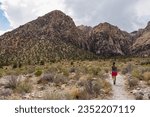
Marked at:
<point>108,40</point>
<point>141,45</point>
<point>53,36</point>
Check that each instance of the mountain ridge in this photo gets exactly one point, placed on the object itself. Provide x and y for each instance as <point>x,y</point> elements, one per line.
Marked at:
<point>55,36</point>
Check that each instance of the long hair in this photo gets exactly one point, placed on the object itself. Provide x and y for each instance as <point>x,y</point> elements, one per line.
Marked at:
<point>113,63</point>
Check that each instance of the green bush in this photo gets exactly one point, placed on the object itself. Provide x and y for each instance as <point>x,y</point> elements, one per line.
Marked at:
<point>38,73</point>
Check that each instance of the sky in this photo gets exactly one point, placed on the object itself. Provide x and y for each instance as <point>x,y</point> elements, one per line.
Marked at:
<point>128,15</point>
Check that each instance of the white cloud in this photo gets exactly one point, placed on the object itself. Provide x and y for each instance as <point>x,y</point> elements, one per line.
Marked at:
<point>19,12</point>
<point>127,14</point>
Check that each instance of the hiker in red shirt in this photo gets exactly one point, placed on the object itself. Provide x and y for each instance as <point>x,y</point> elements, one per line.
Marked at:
<point>114,73</point>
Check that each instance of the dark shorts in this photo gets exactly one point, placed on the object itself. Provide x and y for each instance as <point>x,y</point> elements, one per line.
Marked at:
<point>114,73</point>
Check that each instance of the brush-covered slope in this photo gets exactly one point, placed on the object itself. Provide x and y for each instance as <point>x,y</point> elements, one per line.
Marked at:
<point>53,36</point>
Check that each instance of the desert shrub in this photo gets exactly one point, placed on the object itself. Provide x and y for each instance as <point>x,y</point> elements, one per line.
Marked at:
<point>94,71</point>
<point>71,70</point>
<point>56,95</point>
<point>52,96</point>
<point>14,65</point>
<point>137,74</point>
<point>1,66</point>
<point>148,82</point>
<point>146,76</point>
<point>145,62</point>
<point>124,71</point>
<point>51,69</point>
<point>132,82</point>
<point>65,72</point>
<point>106,70</point>
<point>106,86</point>
<point>38,73</point>
<point>94,86</point>
<point>79,93</point>
<point>30,69</point>
<point>1,74</point>
<point>145,69</point>
<point>42,62</point>
<point>127,69</point>
<point>71,63</point>
<point>19,65</point>
<point>48,77</point>
<point>13,82</point>
<point>24,87</point>
<point>6,92</point>
<point>60,79</point>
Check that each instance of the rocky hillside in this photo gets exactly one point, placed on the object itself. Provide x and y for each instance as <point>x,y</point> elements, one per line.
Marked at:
<point>53,36</point>
<point>141,46</point>
<point>109,40</point>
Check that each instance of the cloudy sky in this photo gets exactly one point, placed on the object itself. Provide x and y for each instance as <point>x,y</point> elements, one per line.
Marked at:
<point>128,15</point>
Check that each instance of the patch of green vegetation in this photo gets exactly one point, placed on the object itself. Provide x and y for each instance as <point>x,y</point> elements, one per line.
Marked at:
<point>38,73</point>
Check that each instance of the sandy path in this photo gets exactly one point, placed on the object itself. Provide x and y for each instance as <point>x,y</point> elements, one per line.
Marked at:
<point>119,91</point>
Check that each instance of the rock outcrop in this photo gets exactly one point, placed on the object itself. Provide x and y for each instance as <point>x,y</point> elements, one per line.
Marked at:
<point>109,40</point>
<point>141,46</point>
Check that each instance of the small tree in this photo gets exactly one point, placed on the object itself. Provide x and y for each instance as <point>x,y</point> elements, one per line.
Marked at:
<point>42,62</point>
<point>14,65</point>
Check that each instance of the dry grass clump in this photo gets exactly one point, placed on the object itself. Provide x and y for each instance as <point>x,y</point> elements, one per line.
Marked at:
<point>52,96</point>
<point>94,86</point>
<point>24,87</point>
<point>146,76</point>
<point>58,79</point>
<point>148,82</point>
<point>13,82</point>
<point>56,95</point>
<point>137,74</point>
<point>17,85</point>
<point>79,93</point>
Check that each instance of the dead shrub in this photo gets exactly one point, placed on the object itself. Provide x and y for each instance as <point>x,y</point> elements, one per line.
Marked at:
<point>132,82</point>
<point>49,77</point>
<point>13,82</point>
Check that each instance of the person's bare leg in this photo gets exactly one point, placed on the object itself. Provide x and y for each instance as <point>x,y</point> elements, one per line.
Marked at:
<point>114,80</point>
<point>113,77</point>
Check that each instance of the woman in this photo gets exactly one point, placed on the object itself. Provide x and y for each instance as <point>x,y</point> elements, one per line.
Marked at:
<point>114,73</point>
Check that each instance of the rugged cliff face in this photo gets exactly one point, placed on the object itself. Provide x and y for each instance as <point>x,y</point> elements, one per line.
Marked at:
<point>141,45</point>
<point>109,40</point>
<point>52,36</point>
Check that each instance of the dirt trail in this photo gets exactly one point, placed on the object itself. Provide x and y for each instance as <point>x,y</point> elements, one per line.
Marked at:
<point>119,91</point>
